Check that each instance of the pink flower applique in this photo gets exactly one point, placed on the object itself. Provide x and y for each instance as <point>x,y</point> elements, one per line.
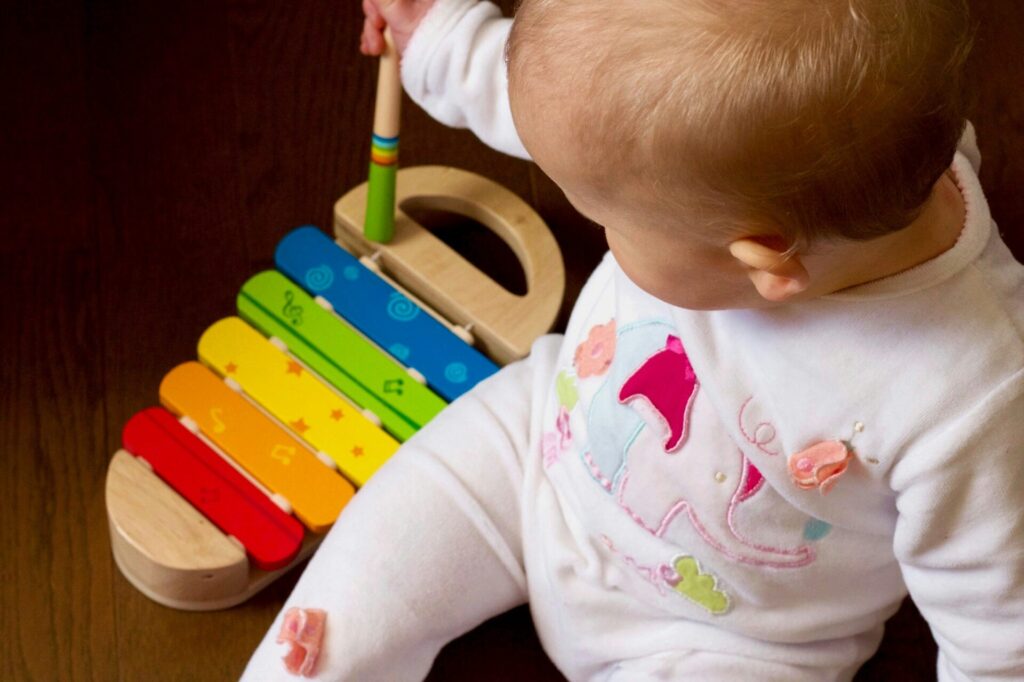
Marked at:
<point>821,465</point>
<point>556,442</point>
<point>594,356</point>
<point>303,630</point>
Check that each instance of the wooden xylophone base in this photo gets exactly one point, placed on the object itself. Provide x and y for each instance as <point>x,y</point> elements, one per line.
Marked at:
<point>364,369</point>
<point>170,552</point>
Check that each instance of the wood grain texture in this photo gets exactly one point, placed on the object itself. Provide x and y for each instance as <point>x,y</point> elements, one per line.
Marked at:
<point>154,153</point>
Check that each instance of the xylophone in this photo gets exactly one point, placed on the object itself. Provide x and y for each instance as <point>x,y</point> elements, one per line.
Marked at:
<point>334,358</point>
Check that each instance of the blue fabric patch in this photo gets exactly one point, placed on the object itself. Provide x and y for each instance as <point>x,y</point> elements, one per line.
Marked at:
<point>816,529</point>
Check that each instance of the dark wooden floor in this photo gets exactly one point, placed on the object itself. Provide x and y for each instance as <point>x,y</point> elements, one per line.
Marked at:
<point>153,154</point>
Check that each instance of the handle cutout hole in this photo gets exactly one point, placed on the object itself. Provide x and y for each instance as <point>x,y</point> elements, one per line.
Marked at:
<point>472,240</point>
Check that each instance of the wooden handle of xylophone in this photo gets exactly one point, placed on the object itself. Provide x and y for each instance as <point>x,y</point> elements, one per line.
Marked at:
<point>504,324</point>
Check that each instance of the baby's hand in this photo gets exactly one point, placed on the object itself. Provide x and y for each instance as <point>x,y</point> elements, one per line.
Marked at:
<point>402,16</point>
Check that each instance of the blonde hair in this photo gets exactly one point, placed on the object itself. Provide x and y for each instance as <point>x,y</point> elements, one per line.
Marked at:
<point>813,119</point>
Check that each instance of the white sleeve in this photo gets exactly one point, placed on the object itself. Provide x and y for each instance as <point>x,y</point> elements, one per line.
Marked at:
<point>454,67</point>
<point>960,537</point>
<point>968,146</point>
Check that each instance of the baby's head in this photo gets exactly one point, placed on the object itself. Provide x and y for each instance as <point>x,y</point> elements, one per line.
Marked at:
<point>682,126</point>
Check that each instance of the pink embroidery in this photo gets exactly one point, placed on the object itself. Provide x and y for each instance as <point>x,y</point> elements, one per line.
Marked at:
<point>594,356</point>
<point>753,481</point>
<point>596,471</point>
<point>684,577</point>
<point>658,576</point>
<point>564,432</point>
<point>549,448</point>
<point>667,381</point>
<point>669,575</point>
<point>764,432</point>
<point>820,465</point>
<point>554,444</point>
<point>795,558</point>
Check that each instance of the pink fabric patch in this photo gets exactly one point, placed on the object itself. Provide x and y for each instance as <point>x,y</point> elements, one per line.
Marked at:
<point>303,629</point>
<point>666,381</point>
<point>596,471</point>
<point>594,356</point>
<point>751,483</point>
<point>820,465</point>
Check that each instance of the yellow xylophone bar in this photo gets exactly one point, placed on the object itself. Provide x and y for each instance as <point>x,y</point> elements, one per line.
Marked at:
<point>291,393</point>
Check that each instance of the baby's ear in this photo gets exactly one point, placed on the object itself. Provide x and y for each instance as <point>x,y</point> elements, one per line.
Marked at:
<point>776,275</point>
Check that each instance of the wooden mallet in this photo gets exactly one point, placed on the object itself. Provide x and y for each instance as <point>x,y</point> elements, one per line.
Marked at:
<point>379,225</point>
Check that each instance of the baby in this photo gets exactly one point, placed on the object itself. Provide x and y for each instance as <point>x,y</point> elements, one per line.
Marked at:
<point>791,393</point>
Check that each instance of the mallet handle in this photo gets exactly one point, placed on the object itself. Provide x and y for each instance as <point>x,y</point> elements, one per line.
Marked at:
<point>380,201</point>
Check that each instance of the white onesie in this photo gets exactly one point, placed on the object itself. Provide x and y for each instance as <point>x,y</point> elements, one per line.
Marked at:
<point>727,495</point>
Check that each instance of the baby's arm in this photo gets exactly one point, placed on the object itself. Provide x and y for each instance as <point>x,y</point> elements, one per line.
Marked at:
<point>453,62</point>
<point>960,538</point>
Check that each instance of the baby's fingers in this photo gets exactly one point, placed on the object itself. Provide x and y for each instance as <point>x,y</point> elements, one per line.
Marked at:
<point>372,40</point>
<point>402,16</point>
<point>373,14</point>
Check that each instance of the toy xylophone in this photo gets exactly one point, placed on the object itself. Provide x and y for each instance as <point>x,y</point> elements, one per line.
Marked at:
<point>331,362</point>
